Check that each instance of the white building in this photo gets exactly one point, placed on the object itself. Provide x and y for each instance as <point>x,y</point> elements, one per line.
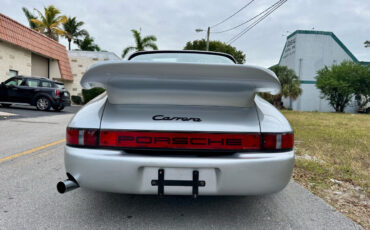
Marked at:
<point>80,62</point>
<point>24,51</point>
<point>306,52</point>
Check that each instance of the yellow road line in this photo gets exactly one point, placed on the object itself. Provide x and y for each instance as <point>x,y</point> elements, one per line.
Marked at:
<point>31,150</point>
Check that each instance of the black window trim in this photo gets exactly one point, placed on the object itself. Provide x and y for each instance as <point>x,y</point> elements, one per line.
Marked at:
<point>182,51</point>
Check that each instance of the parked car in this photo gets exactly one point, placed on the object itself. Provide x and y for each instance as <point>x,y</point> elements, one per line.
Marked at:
<point>363,104</point>
<point>179,123</point>
<point>40,92</point>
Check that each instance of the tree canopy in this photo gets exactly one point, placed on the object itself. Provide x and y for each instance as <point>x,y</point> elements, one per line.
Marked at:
<point>49,23</point>
<point>87,43</point>
<point>141,43</point>
<point>29,16</point>
<point>216,46</point>
<point>73,30</point>
<point>339,83</point>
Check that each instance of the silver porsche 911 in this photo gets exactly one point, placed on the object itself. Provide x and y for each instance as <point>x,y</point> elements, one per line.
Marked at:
<point>179,123</point>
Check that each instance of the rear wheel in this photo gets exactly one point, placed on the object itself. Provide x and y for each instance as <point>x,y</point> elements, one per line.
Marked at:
<point>43,104</point>
<point>58,108</point>
<point>6,105</point>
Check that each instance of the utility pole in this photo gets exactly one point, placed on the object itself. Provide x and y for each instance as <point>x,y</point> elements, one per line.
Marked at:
<point>208,31</point>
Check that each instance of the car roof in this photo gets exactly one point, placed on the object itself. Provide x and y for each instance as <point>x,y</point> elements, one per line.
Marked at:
<point>37,78</point>
<point>182,51</point>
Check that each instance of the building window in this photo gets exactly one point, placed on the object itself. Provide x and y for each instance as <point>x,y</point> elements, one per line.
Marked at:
<point>13,73</point>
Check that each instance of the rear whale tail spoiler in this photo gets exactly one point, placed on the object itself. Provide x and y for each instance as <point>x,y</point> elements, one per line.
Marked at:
<point>180,83</point>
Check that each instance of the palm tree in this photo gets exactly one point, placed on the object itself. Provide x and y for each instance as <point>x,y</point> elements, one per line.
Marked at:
<point>367,44</point>
<point>49,23</point>
<point>29,16</point>
<point>73,31</point>
<point>87,44</point>
<point>290,85</point>
<point>141,43</point>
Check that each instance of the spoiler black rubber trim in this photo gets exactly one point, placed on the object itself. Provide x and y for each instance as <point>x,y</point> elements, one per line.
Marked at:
<point>182,51</point>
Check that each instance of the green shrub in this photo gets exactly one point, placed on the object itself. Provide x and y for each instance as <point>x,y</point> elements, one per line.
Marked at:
<point>339,83</point>
<point>77,100</point>
<point>89,94</point>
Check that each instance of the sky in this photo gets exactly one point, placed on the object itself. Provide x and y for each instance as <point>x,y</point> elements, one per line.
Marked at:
<point>174,22</point>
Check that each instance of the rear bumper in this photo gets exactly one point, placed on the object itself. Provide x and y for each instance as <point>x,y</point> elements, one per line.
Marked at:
<point>239,174</point>
<point>64,102</point>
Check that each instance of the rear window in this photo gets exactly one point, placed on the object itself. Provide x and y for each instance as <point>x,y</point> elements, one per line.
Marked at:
<point>201,58</point>
<point>46,84</point>
<point>60,86</point>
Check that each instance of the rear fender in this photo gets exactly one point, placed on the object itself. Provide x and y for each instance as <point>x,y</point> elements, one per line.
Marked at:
<point>271,119</point>
<point>91,114</point>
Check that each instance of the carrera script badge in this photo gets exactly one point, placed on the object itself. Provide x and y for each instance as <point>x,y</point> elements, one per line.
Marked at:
<point>168,118</point>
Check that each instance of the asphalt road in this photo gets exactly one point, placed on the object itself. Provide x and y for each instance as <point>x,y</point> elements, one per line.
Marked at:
<point>31,162</point>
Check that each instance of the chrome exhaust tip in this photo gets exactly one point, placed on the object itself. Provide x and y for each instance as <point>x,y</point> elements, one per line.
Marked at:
<point>67,185</point>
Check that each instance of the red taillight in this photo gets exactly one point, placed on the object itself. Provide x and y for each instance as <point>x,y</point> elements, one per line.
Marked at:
<point>277,141</point>
<point>82,137</point>
<point>72,136</point>
<point>57,92</point>
<point>179,141</point>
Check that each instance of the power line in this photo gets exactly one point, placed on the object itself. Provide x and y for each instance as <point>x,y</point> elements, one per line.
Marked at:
<point>251,19</point>
<point>236,37</point>
<point>233,14</point>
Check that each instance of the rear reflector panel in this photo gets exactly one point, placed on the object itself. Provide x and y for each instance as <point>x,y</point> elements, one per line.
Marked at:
<point>180,141</point>
<point>141,140</point>
<point>90,137</point>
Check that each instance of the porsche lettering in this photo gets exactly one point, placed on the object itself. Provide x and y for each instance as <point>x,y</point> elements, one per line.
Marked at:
<point>179,140</point>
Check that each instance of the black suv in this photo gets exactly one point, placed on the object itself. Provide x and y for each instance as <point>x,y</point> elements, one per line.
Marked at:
<point>40,92</point>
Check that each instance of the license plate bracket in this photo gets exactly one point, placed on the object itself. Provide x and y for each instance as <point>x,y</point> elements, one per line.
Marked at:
<point>195,183</point>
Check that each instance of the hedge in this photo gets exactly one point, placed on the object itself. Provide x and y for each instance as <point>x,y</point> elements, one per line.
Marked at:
<point>89,94</point>
<point>77,100</point>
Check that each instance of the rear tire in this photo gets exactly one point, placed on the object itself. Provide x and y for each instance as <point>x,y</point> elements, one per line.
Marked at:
<point>6,105</point>
<point>58,108</point>
<point>43,104</point>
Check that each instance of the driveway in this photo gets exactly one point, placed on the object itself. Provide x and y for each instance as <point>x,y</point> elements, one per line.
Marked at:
<point>31,163</point>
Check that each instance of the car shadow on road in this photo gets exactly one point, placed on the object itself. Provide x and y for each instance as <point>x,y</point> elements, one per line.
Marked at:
<point>23,111</point>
